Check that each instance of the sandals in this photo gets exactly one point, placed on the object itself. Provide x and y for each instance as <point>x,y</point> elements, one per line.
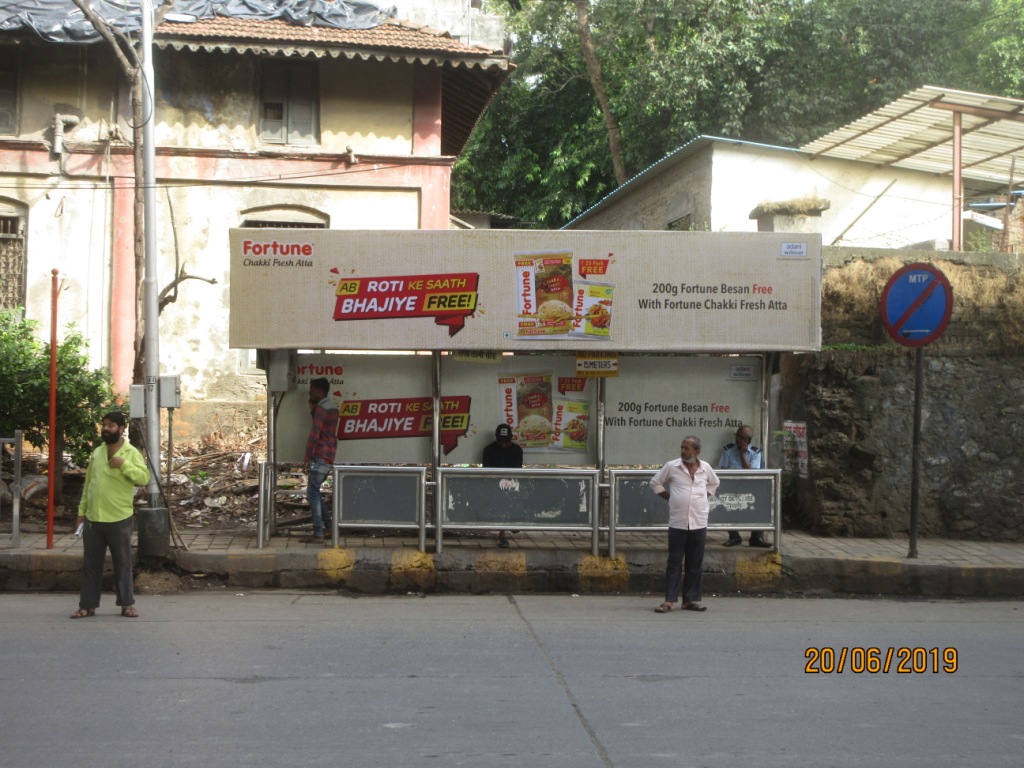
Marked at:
<point>83,613</point>
<point>664,608</point>
<point>694,607</point>
<point>129,612</point>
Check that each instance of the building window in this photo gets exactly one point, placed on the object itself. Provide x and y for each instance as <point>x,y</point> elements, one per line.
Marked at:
<point>288,103</point>
<point>12,262</point>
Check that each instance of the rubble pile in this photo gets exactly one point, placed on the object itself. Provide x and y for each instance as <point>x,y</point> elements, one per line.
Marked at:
<point>214,490</point>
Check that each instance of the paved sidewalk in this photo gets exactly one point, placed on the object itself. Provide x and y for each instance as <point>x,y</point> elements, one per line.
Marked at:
<point>544,561</point>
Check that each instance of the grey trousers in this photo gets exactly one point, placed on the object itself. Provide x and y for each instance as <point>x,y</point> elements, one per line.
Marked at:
<point>96,538</point>
<point>685,563</point>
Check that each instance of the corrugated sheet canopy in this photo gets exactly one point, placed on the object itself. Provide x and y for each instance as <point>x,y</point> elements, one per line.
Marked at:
<point>916,132</point>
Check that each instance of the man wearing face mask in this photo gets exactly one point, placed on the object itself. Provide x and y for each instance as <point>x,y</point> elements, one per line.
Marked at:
<point>115,468</point>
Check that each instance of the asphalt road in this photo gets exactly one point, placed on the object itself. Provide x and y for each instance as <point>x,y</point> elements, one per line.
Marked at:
<point>303,679</point>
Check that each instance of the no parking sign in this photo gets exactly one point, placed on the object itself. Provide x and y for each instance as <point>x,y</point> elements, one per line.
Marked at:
<point>916,305</point>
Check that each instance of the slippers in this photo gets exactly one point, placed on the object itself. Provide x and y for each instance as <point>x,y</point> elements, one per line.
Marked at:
<point>664,608</point>
<point>83,613</point>
<point>129,612</point>
<point>694,607</point>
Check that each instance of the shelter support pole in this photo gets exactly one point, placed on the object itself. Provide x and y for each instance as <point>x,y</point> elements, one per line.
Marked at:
<point>52,438</point>
<point>915,470</point>
<point>435,453</point>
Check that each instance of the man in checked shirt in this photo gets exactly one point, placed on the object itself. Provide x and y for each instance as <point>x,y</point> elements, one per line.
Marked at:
<point>321,445</point>
<point>685,483</point>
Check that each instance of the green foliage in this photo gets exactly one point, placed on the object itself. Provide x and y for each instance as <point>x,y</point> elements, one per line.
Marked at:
<point>841,59</point>
<point>1001,49</point>
<point>83,395</point>
<point>541,151</point>
<point>776,71</point>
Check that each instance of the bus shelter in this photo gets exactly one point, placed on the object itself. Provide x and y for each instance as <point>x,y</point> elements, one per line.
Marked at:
<point>601,350</point>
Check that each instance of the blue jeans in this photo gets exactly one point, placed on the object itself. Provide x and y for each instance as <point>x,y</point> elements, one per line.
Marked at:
<point>318,472</point>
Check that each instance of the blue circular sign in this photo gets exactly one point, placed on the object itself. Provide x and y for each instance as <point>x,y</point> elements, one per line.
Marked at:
<point>916,305</point>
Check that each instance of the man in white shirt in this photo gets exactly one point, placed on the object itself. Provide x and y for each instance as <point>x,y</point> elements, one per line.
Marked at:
<point>685,483</point>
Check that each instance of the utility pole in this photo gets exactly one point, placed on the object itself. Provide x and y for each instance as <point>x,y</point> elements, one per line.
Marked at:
<point>151,367</point>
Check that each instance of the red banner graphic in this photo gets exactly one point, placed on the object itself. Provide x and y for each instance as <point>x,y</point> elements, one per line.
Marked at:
<point>404,417</point>
<point>571,384</point>
<point>448,298</point>
<point>589,267</point>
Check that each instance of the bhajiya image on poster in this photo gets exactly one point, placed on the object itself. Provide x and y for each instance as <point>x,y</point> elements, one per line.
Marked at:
<point>592,310</point>
<point>572,424</point>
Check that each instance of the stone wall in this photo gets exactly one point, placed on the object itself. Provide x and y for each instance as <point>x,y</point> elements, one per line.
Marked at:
<point>857,398</point>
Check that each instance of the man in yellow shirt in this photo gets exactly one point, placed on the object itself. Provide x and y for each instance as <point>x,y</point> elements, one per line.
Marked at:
<point>115,469</point>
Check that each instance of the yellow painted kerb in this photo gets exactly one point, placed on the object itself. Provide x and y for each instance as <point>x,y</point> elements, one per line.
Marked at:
<point>336,564</point>
<point>411,560</point>
<point>758,573</point>
<point>603,574</point>
<point>501,562</point>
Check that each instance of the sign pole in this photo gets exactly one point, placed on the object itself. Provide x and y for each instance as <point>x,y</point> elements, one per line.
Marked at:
<point>915,472</point>
<point>916,305</point>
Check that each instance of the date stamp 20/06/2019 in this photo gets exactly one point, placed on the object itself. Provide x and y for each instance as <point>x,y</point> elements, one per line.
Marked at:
<point>872,660</point>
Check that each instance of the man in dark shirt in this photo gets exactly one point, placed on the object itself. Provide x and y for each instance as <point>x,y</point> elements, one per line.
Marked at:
<point>505,454</point>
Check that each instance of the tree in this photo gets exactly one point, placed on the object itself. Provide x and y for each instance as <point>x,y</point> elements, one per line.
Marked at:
<point>541,151</point>
<point>841,59</point>
<point>643,75</point>
<point>83,395</point>
<point>1001,49</point>
<point>776,71</point>
<point>600,92</point>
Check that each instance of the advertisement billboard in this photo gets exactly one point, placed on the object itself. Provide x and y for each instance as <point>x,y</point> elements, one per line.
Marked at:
<point>515,290</point>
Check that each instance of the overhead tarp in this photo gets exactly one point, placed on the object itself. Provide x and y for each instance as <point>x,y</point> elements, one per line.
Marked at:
<point>61,21</point>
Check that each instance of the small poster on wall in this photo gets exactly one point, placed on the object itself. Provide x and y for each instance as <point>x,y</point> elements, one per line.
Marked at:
<point>546,412</point>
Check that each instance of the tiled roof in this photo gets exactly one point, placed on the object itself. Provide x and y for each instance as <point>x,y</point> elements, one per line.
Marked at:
<point>391,35</point>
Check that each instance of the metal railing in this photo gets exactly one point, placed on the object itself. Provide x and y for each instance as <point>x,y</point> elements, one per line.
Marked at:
<point>534,499</point>
<point>380,497</point>
<point>474,498</point>
<point>747,500</point>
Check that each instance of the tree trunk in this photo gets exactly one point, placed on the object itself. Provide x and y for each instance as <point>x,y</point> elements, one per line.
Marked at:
<point>597,83</point>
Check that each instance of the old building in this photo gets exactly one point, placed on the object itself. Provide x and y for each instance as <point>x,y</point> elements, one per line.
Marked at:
<point>258,122</point>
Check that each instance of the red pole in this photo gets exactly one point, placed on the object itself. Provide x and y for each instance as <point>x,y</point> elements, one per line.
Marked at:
<point>53,410</point>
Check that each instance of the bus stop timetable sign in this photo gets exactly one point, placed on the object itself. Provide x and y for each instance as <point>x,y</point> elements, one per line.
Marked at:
<point>916,305</point>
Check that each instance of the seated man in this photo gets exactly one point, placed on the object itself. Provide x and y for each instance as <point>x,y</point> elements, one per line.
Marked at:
<point>742,455</point>
<point>503,453</point>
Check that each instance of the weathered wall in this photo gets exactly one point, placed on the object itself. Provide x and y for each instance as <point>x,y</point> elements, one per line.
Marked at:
<point>211,101</point>
<point>857,397</point>
<point>717,183</point>
<point>78,204</point>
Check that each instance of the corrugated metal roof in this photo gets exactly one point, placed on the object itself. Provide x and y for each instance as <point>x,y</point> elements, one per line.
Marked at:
<point>916,132</point>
